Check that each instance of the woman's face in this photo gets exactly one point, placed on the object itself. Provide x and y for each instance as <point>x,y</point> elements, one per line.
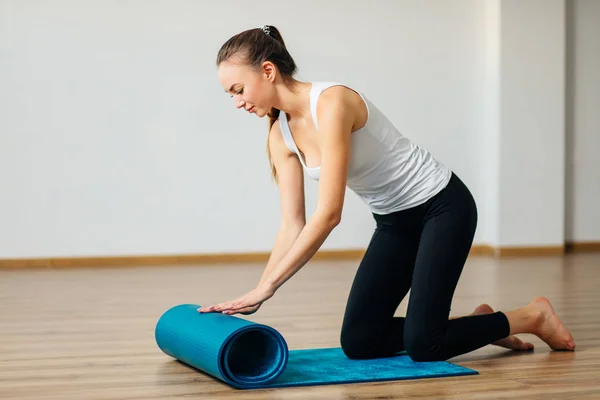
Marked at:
<point>250,88</point>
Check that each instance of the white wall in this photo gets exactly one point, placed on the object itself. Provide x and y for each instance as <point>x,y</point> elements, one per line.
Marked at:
<point>116,138</point>
<point>489,146</point>
<point>531,123</point>
<point>583,121</point>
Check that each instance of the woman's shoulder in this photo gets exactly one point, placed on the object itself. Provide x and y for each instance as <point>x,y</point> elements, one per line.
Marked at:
<point>328,95</point>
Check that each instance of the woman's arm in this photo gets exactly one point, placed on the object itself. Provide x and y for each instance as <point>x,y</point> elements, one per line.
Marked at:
<point>291,194</point>
<point>286,236</point>
<point>293,218</point>
<point>335,117</point>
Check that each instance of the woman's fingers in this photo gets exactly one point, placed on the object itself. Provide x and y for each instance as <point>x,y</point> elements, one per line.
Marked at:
<point>233,306</point>
<point>244,310</point>
<point>216,307</point>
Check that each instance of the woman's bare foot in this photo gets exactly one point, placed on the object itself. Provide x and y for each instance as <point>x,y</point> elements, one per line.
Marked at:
<point>550,328</point>
<point>510,342</point>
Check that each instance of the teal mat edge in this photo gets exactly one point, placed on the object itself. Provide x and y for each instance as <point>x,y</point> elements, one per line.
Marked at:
<point>462,371</point>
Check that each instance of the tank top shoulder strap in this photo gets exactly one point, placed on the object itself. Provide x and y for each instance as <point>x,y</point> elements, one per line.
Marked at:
<point>286,133</point>
<point>315,91</point>
<point>320,87</point>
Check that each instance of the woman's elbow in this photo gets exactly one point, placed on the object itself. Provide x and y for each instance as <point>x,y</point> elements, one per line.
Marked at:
<point>332,218</point>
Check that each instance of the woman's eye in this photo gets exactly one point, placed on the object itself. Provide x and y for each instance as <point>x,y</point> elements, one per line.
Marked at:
<point>240,92</point>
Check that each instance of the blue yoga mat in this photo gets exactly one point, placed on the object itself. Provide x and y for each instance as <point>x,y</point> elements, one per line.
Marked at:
<point>247,355</point>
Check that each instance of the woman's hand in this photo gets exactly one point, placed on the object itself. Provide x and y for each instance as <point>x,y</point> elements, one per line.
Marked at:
<point>246,304</point>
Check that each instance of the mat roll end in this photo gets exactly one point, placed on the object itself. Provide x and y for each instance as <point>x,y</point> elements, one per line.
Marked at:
<point>239,352</point>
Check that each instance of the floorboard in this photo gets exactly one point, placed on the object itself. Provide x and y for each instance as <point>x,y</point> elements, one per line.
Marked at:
<point>88,333</point>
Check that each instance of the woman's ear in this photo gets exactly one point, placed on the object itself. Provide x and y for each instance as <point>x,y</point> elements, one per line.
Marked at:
<point>269,71</point>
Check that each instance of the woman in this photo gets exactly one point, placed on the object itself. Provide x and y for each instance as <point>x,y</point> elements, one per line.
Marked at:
<point>425,216</point>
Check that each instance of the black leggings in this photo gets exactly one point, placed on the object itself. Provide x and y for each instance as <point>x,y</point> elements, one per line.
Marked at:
<point>423,249</point>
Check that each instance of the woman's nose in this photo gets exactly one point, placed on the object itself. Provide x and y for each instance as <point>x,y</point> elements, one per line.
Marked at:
<point>240,103</point>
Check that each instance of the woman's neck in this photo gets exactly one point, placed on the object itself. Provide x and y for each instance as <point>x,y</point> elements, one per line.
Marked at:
<point>294,99</point>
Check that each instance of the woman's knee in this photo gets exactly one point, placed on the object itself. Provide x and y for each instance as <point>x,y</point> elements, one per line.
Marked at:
<point>357,344</point>
<point>422,345</point>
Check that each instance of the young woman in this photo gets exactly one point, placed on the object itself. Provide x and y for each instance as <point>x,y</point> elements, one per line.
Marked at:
<point>425,215</point>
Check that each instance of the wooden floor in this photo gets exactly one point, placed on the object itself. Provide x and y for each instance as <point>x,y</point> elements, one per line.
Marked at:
<point>88,333</point>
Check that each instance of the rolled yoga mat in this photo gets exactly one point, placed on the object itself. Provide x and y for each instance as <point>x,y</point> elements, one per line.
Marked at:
<point>248,355</point>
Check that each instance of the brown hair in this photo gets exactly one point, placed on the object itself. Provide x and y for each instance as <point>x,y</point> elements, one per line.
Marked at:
<point>255,46</point>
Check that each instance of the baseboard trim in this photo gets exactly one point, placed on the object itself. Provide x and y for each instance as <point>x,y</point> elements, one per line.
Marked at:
<point>532,251</point>
<point>148,260</point>
<point>582,247</point>
<point>517,251</point>
<point>263,257</point>
<point>482,250</point>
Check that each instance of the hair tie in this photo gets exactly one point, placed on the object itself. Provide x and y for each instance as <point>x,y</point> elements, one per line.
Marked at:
<point>266,29</point>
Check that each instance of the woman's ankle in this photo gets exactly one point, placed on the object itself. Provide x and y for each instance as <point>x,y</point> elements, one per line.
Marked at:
<point>525,320</point>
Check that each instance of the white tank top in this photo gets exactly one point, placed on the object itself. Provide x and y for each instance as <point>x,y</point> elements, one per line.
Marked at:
<point>386,170</point>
